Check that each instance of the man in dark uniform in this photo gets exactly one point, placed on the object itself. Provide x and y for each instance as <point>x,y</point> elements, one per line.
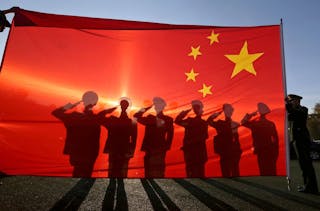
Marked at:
<point>121,142</point>
<point>194,141</point>
<point>297,117</point>
<point>226,142</point>
<point>157,138</point>
<point>83,134</point>
<point>265,139</point>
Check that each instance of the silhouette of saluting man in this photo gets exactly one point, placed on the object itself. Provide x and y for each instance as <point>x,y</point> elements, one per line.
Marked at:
<point>265,139</point>
<point>226,142</point>
<point>121,141</point>
<point>157,138</point>
<point>194,141</point>
<point>83,134</point>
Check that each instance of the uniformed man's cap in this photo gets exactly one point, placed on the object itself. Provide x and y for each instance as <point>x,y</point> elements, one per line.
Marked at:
<point>263,108</point>
<point>294,97</point>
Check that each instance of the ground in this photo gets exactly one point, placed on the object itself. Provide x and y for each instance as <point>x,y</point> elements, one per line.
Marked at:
<point>244,193</point>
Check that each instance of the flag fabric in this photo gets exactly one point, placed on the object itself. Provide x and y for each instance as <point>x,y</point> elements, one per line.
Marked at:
<point>89,97</point>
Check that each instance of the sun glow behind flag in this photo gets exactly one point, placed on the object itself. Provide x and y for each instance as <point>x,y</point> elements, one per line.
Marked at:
<point>51,60</point>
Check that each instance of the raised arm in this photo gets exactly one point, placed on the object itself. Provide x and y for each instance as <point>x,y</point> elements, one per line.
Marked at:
<point>106,111</point>
<point>140,118</point>
<point>247,118</point>
<point>212,117</point>
<point>180,118</point>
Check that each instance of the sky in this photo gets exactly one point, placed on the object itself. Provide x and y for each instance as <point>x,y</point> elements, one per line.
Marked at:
<point>301,28</point>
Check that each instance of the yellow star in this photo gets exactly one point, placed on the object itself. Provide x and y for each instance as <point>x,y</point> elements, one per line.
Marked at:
<point>206,90</point>
<point>213,37</point>
<point>191,75</point>
<point>195,52</point>
<point>244,60</point>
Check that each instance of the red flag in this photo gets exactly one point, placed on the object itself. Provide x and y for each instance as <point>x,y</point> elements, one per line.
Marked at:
<point>52,60</point>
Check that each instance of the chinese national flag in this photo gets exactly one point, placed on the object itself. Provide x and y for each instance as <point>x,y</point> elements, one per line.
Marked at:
<point>51,60</point>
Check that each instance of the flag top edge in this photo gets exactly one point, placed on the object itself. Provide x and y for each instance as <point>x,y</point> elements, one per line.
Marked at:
<point>32,18</point>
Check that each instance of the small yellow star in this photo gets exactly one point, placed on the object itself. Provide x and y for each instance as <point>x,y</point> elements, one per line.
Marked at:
<point>244,60</point>
<point>213,37</point>
<point>206,90</point>
<point>191,75</point>
<point>195,52</point>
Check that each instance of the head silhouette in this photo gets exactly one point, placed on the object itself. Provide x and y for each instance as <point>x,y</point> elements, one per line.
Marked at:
<point>124,104</point>
<point>263,109</point>
<point>89,99</point>
<point>228,110</point>
<point>197,107</point>
<point>159,104</point>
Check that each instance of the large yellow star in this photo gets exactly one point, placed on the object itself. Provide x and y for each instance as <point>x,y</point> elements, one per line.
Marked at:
<point>213,37</point>
<point>206,90</point>
<point>195,52</point>
<point>243,60</point>
<point>191,75</point>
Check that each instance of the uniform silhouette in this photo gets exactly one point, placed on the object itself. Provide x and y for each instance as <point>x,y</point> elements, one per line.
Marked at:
<point>83,134</point>
<point>297,117</point>
<point>157,138</point>
<point>194,141</point>
<point>121,141</point>
<point>265,139</point>
<point>226,142</point>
